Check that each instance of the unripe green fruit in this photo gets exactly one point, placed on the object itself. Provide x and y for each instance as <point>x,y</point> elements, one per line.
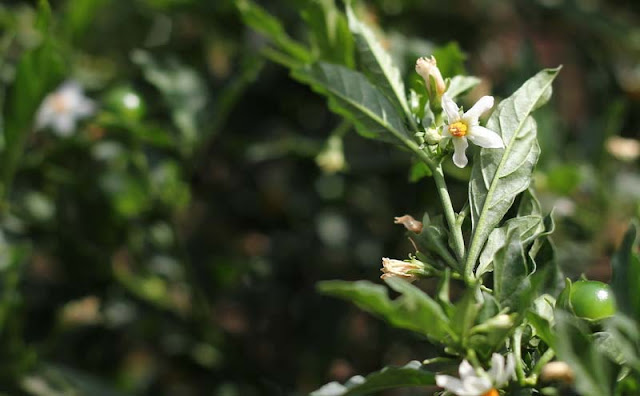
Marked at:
<point>126,103</point>
<point>588,299</point>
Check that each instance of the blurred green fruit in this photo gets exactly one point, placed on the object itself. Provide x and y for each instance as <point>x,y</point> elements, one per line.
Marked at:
<point>588,299</point>
<point>126,103</point>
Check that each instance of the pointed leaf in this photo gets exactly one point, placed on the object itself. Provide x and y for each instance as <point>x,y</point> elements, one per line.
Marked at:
<point>498,175</point>
<point>261,21</point>
<point>414,310</point>
<point>626,275</point>
<point>595,372</point>
<point>461,84</point>
<point>377,63</point>
<point>510,271</point>
<point>330,33</point>
<point>354,97</point>
<point>412,374</point>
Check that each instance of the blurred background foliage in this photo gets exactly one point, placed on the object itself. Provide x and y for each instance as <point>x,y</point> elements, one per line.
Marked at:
<point>172,244</point>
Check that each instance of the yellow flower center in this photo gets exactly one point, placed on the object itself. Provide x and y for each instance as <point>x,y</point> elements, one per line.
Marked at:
<point>492,392</point>
<point>458,129</point>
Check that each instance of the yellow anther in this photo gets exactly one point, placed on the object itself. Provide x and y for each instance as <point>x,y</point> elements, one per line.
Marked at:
<point>458,129</point>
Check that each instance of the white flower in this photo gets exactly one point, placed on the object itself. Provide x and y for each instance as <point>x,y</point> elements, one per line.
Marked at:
<point>479,383</point>
<point>62,108</point>
<point>459,128</point>
<point>400,269</point>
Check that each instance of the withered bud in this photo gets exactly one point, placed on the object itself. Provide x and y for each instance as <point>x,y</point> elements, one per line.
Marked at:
<point>400,269</point>
<point>409,223</point>
<point>557,371</point>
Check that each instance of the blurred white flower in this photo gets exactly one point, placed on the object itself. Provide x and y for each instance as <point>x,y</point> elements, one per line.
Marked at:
<point>62,108</point>
<point>459,128</point>
<point>623,149</point>
<point>480,383</point>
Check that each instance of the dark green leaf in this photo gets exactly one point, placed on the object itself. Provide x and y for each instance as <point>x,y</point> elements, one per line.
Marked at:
<point>412,374</point>
<point>378,64</point>
<point>261,21</point>
<point>626,275</point>
<point>414,310</point>
<point>354,97</point>
<point>329,32</point>
<point>499,175</point>
<point>510,273</point>
<point>595,372</point>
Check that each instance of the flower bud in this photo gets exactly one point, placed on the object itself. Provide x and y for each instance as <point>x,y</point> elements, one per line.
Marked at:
<point>401,269</point>
<point>331,159</point>
<point>432,136</point>
<point>557,371</point>
<point>427,67</point>
<point>409,223</point>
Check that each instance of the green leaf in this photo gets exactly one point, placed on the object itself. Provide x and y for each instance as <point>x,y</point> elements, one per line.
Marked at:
<point>43,17</point>
<point>354,97</point>
<point>37,73</point>
<point>464,315</point>
<point>510,272</point>
<point>378,64</point>
<point>433,238</point>
<point>595,372</point>
<point>79,15</point>
<point>625,334</point>
<point>418,171</point>
<point>450,59</point>
<point>330,33</point>
<point>626,275</point>
<point>412,374</point>
<point>414,310</point>
<point>460,85</point>
<point>183,90</point>
<point>261,21</point>
<point>499,175</point>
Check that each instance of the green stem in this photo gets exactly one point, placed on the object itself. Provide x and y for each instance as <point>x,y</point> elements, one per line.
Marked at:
<point>517,344</point>
<point>544,359</point>
<point>449,213</point>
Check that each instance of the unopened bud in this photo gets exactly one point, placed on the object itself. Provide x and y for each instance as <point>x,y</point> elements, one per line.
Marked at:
<point>401,269</point>
<point>427,67</point>
<point>331,159</point>
<point>432,136</point>
<point>409,223</point>
<point>557,371</point>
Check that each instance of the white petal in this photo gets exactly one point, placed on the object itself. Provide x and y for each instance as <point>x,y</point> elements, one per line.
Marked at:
<point>466,370</point>
<point>476,385</point>
<point>497,367</point>
<point>452,384</point>
<point>45,114</point>
<point>509,371</point>
<point>485,103</point>
<point>63,124</point>
<point>84,108</point>
<point>459,157</point>
<point>484,137</point>
<point>450,109</point>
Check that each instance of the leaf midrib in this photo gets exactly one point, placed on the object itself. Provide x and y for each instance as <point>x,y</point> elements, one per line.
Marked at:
<point>364,109</point>
<point>474,249</point>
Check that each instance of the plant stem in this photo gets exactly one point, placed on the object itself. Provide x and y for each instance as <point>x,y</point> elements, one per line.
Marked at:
<point>449,213</point>
<point>517,338</point>
<point>544,359</point>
